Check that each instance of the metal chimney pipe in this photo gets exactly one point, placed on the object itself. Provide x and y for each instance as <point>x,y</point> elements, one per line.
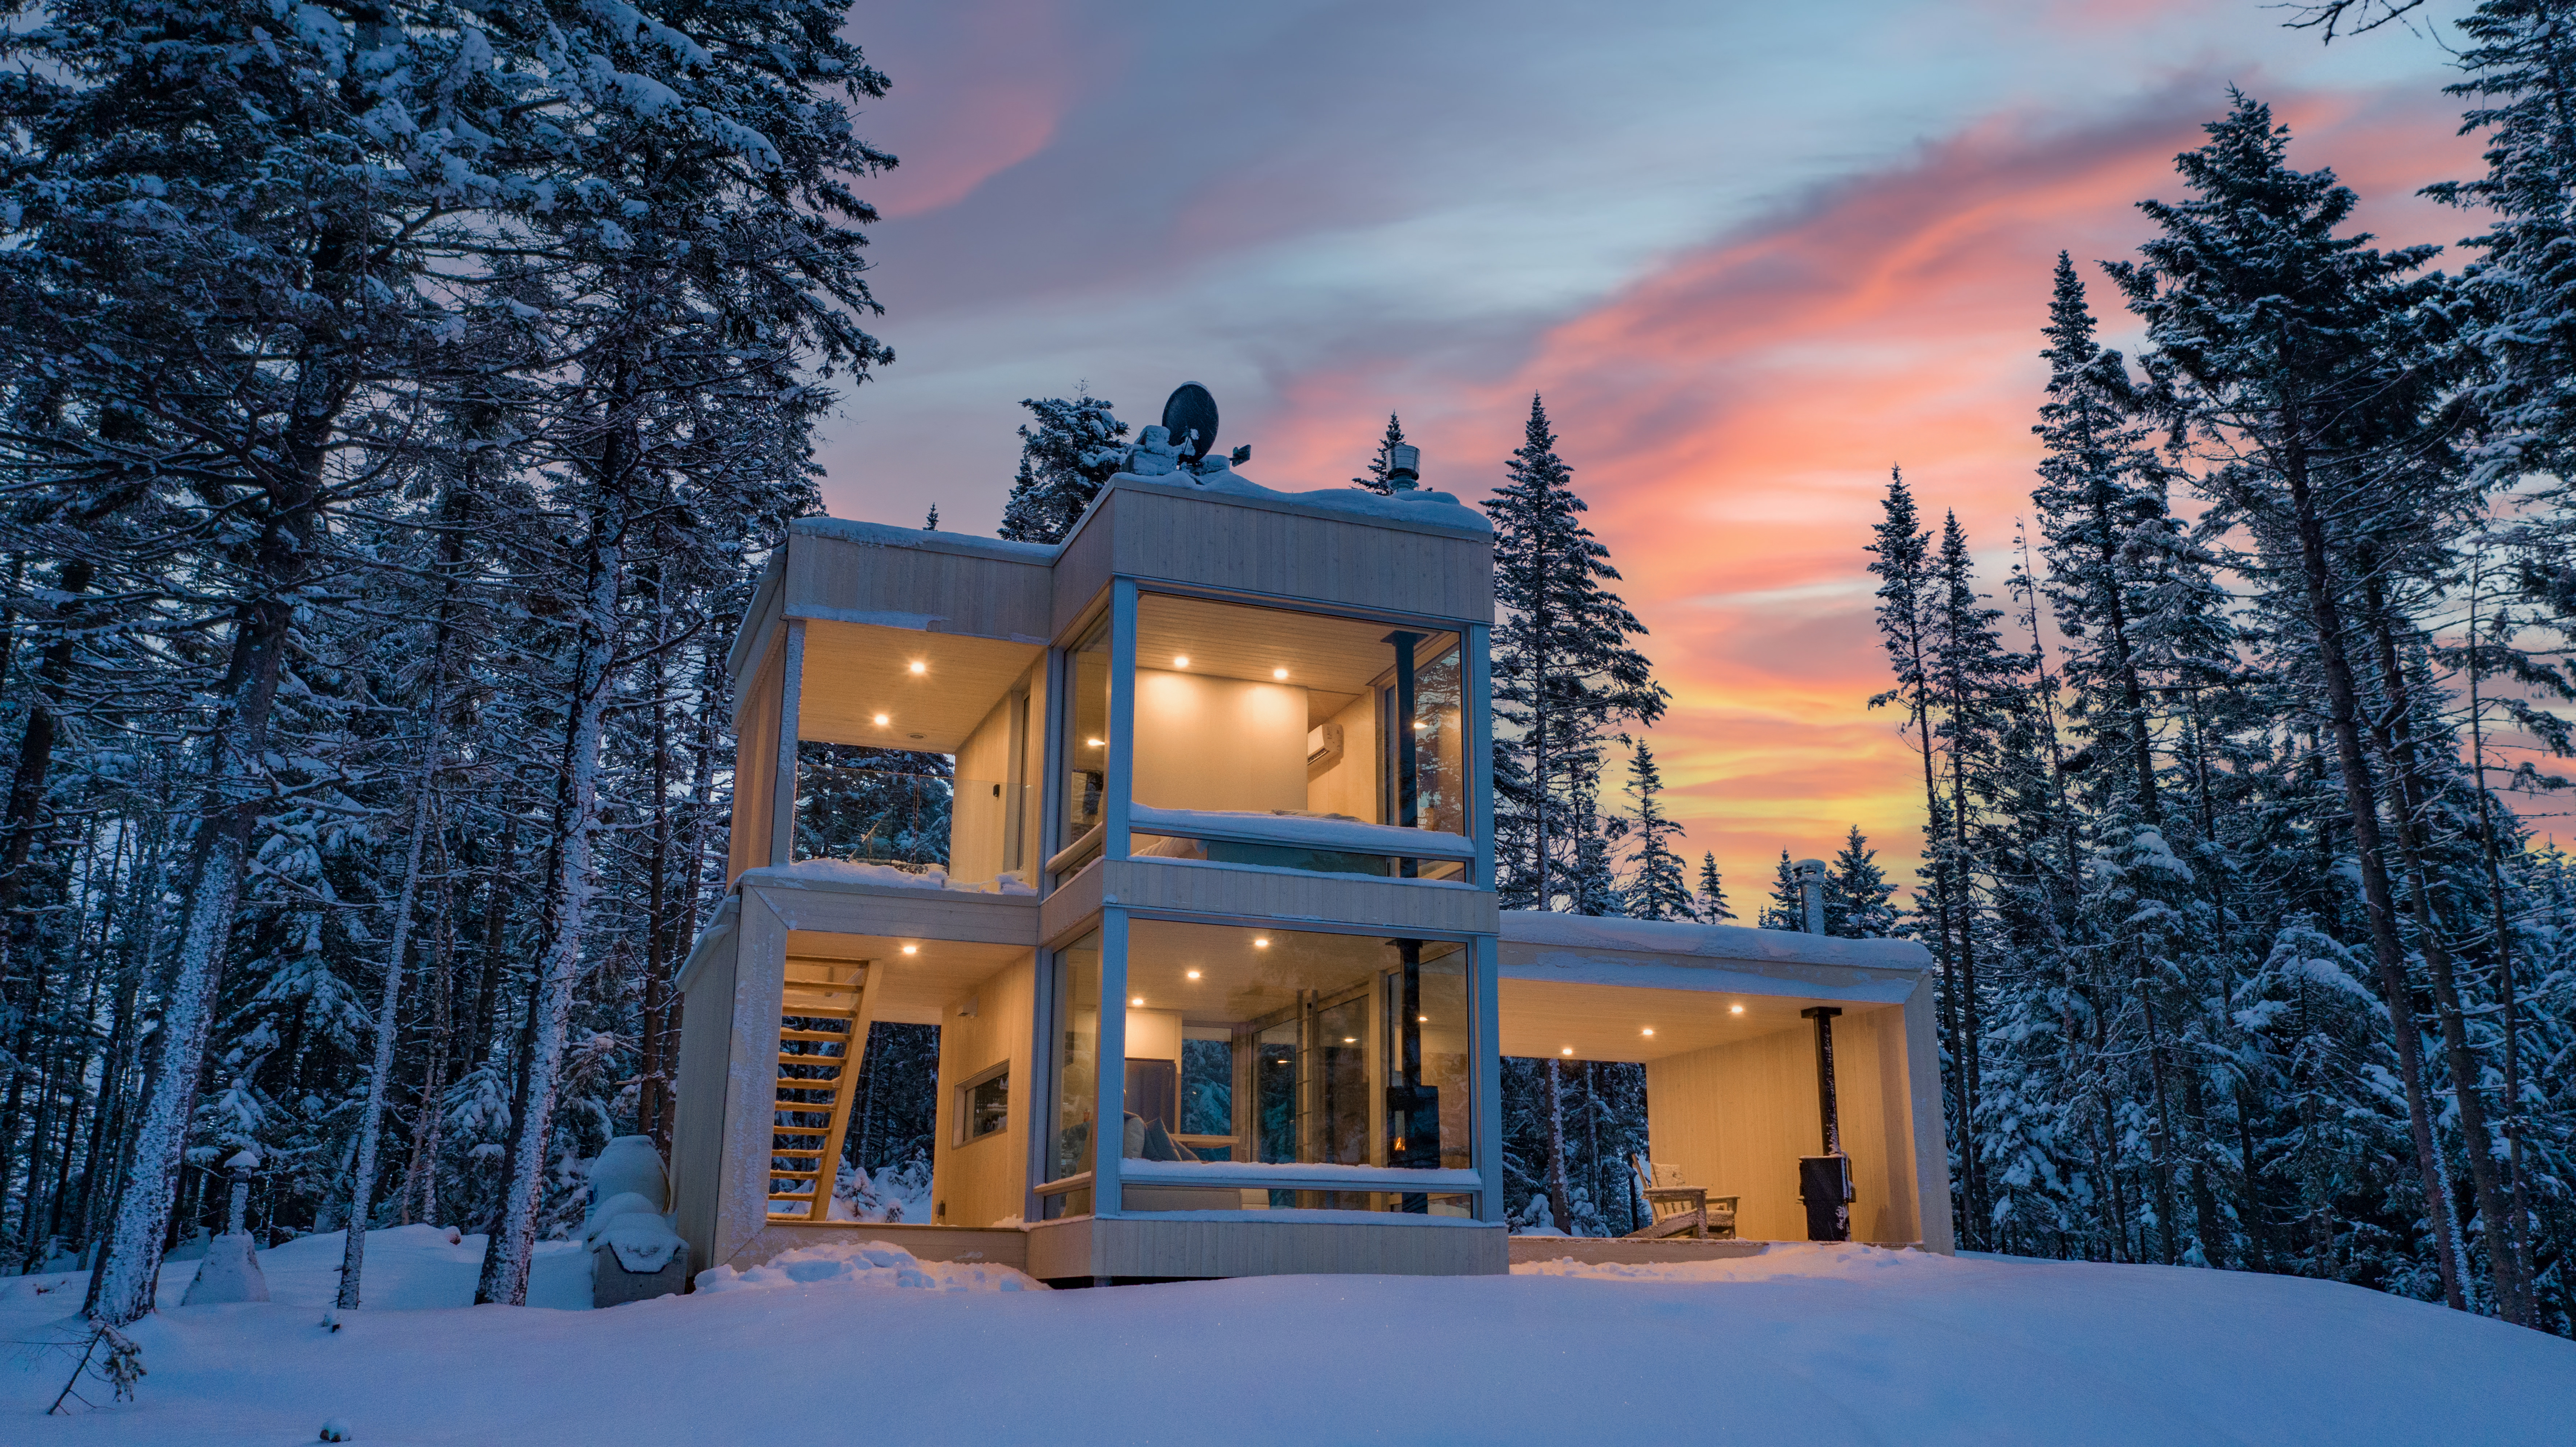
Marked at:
<point>1811,892</point>
<point>1403,466</point>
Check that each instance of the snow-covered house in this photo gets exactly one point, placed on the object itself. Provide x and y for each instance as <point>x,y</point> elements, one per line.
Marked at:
<point>1182,826</point>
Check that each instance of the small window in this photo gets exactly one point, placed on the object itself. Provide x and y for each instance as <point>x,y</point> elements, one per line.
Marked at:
<point>984,1106</point>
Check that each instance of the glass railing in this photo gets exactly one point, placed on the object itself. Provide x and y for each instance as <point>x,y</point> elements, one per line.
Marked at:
<point>899,827</point>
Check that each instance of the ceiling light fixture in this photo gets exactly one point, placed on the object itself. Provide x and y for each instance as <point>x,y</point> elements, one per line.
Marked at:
<point>920,667</point>
<point>912,949</point>
<point>1095,743</point>
<point>1193,974</point>
<point>1735,1009</point>
<point>1261,943</point>
<point>1650,1029</point>
<point>1569,1050</point>
<point>1279,673</point>
<point>1350,1040</point>
<point>1421,1019</point>
<point>1180,660</point>
<point>882,720</point>
<point>1136,1000</point>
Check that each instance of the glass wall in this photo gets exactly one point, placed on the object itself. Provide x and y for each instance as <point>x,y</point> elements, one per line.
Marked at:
<point>1086,735</point>
<point>1269,715</point>
<point>1279,1047</point>
<point>1074,1073</point>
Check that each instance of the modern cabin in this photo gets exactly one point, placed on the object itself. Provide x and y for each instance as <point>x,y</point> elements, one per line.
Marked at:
<point>1181,832</point>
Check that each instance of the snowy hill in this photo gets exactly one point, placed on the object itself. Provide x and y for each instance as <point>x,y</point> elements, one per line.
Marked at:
<point>1815,1344</point>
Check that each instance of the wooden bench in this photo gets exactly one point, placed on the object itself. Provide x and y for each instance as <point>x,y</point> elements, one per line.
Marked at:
<point>1678,1208</point>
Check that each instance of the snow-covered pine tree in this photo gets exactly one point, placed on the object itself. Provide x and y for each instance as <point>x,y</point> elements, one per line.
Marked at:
<point>2294,355</point>
<point>1656,887</point>
<point>1709,906</point>
<point>1857,892</point>
<point>1074,448</point>
<point>1565,671</point>
<point>1374,477</point>
<point>1787,909</point>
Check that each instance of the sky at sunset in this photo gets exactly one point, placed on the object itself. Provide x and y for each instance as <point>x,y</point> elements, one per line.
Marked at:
<point>1751,254</point>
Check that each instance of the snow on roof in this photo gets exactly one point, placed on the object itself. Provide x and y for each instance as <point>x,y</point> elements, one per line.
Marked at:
<point>1536,931</point>
<point>1420,509</point>
<point>887,535</point>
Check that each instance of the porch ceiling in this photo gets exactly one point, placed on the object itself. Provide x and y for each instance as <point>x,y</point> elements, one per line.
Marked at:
<point>855,671</point>
<point>916,987</point>
<point>1608,1022</point>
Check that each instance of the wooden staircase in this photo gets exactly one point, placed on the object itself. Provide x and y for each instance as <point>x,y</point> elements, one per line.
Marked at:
<point>822,1032</point>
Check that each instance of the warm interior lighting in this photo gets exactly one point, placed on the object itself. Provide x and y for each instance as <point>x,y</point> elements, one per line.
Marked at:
<point>1350,1040</point>
<point>1261,944</point>
<point>1569,1050</point>
<point>1279,673</point>
<point>882,720</point>
<point>912,949</point>
<point>1095,743</point>
<point>920,667</point>
<point>1419,726</point>
<point>1425,1020</point>
<point>1650,1029</point>
<point>1180,660</point>
<point>1193,974</point>
<point>1735,1009</point>
<point>1137,1001</point>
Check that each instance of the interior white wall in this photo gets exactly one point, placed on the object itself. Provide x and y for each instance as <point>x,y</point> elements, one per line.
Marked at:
<point>1350,786</point>
<point>1219,743</point>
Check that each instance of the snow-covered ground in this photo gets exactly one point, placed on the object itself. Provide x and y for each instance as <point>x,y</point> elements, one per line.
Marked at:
<point>1806,1344</point>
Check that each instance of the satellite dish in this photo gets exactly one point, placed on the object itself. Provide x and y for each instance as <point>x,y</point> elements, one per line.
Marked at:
<point>1191,409</point>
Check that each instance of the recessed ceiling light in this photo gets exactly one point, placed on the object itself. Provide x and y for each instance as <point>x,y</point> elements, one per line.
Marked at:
<point>912,949</point>
<point>1180,660</point>
<point>882,720</point>
<point>1419,726</point>
<point>1261,943</point>
<point>1095,743</point>
<point>1650,1029</point>
<point>920,667</point>
<point>1569,1050</point>
<point>1136,1000</point>
<point>1191,975</point>
<point>1279,673</point>
<point>1735,1009</point>
<point>1421,1019</point>
<point>1350,1040</point>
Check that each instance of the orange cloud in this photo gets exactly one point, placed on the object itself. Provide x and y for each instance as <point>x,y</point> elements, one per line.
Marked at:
<point>1732,416</point>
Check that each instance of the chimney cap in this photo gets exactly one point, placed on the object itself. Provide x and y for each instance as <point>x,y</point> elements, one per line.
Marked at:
<point>1810,866</point>
<point>1403,465</point>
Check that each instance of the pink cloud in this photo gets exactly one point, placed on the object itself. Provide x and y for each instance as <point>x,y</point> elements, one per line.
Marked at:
<point>1732,416</point>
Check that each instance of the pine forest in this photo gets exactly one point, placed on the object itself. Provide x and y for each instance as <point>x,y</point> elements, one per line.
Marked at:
<point>398,403</point>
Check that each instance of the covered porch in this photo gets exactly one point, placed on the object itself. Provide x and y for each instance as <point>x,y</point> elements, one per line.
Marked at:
<point>1723,1021</point>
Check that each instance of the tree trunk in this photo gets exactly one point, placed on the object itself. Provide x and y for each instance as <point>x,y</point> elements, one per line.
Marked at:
<point>2397,744</point>
<point>1559,1209</point>
<point>506,1263</point>
<point>2361,802</point>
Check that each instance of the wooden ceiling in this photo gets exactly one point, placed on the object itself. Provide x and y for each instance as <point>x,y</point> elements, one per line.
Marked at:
<point>1608,1022</point>
<point>1333,659</point>
<point>855,671</point>
<point>914,988</point>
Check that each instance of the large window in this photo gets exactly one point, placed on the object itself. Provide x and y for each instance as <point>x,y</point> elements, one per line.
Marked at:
<point>1074,1073</point>
<point>1086,735</point>
<point>1258,1052</point>
<point>1276,727</point>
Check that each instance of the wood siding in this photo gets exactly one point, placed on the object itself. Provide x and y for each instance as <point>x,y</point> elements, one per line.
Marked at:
<point>755,762</point>
<point>1216,543</point>
<point>985,1181</point>
<point>1289,898</point>
<point>1134,1246</point>
<point>1736,1118</point>
<point>838,579</point>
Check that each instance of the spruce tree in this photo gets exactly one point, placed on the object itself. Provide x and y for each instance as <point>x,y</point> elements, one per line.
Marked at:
<point>1656,888</point>
<point>1074,448</point>
<point>1374,478</point>
<point>1788,907</point>
<point>1857,892</point>
<point>1710,907</point>
<point>1565,672</point>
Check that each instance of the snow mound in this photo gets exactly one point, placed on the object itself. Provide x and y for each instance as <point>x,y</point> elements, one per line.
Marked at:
<point>1774,1262</point>
<point>855,871</point>
<point>873,1264</point>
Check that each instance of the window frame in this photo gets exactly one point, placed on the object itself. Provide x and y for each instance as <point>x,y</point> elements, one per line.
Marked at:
<point>965,1133</point>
